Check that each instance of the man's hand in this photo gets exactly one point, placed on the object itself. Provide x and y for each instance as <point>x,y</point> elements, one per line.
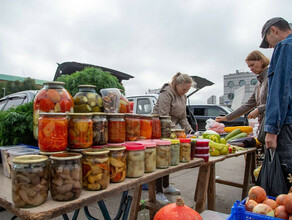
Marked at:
<point>271,141</point>
<point>220,118</point>
<point>253,114</point>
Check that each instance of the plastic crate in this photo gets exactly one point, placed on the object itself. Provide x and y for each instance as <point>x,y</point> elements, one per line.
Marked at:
<point>238,212</point>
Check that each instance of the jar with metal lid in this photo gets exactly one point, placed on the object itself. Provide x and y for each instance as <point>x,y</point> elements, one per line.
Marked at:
<point>185,150</point>
<point>145,127</point>
<point>116,128</point>
<point>95,169</point>
<point>179,133</point>
<point>29,180</point>
<point>53,97</point>
<point>118,163</point>
<point>163,153</point>
<point>100,128</point>
<point>87,100</point>
<point>150,155</point>
<point>132,122</point>
<point>165,126</point>
<point>175,152</point>
<point>156,127</point>
<point>53,132</point>
<point>66,176</point>
<point>135,159</point>
<point>193,147</point>
<point>80,130</point>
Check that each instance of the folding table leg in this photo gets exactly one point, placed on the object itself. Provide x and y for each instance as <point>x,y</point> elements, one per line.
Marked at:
<point>74,217</point>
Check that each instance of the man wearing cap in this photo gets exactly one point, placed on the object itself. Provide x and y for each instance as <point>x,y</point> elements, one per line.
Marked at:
<point>277,34</point>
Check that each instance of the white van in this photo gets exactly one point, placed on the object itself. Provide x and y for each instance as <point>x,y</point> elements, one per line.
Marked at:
<point>143,104</point>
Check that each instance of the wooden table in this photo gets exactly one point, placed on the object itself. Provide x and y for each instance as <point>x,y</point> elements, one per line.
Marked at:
<point>51,208</point>
<point>206,183</point>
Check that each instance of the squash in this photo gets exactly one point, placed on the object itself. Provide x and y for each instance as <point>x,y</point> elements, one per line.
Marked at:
<point>177,211</point>
<point>246,129</point>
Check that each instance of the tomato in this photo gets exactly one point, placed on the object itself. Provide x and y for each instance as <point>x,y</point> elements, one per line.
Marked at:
<point>46,105</point>
<point>65,105</point>
<point>117,178</point>
<point>53,95</point>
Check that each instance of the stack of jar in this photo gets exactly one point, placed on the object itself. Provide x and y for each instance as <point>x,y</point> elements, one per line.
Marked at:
<point>202,149</point>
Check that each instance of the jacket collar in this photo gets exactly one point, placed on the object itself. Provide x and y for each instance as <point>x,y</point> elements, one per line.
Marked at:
<point>262,75</point>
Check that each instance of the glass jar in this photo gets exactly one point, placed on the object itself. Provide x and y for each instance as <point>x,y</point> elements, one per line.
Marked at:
<point>175,152</point>
<point>66,176</point>
<point>132,127</point>
<point>29,180</point>
<point>193,147</point>
<point>145,127</point>
<point>95,169</point>
<point>185,150</point>
<point>179,133</point>
<point>51,98</point>
<point>80,130</point>
<point>163,153</point>
<point>53,132</point>
<point>135,159</point>
<point>150,155</point>
<point>111,99</point>
<point>117,156</point>
<point>87,100</point>
<point>156,127</point>
<point>100,128</point>
<point>116,128</point>
<point>165,126</point>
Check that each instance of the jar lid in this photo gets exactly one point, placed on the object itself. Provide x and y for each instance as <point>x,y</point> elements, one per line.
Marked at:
<point>57,83</point>
<point>80,114</point>
<point>162,142</point>
<point>148,144</point>
<point>77,150</point>
<point>66,156</point>
<point>173,141</point>
<point>134,146</point>
<point>132,115</point>
<point>29,159</point>
<point>112,115</point>
<point>155,115</point>
<point>99,114</point>
<point>194,139</point>
<point>112,147</point>
<point>51,153</point>
<point>53,114</point>
<point>185,140</point>
<point>87,86</point>
<point>95,151</point>
<point>146,116</point>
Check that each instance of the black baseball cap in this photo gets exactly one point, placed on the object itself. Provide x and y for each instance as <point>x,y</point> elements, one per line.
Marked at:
<point>266,27</point>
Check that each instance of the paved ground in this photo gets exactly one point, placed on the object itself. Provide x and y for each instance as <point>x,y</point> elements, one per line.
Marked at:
<point>231,169</point>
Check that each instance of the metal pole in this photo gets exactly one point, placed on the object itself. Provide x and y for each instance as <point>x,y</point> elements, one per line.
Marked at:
<point>4,91</point>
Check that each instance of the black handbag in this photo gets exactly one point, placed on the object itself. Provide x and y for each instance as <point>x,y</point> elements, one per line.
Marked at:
<point>262,134</point>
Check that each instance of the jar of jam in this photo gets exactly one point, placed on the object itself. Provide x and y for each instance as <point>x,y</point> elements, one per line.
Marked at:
<point>179,133</point>
<point>150,155</point>
<point>53,97</point>
<point>80,129</point>
<point>118,166</point>
<point>135,159</point>
<point>53,132</point>
<point>132,127</point>
<point>145,127</point>
<point>175,152</point>
<point>156,127</point>
<point>116,128</point>
<point>185,150</point>
<point>29,180</point>
<point>163,153</point>
<point>95,169</point>
<point>87,100</point>
<point>66,176</point>
<point>165,126</point>
<point>100,128</point>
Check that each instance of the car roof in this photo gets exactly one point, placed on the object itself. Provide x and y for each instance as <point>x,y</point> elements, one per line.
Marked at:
<point>30,93</point>
<point>144,95</point>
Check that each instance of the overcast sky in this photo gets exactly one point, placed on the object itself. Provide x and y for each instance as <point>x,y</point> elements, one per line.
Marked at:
<point>149,39</point>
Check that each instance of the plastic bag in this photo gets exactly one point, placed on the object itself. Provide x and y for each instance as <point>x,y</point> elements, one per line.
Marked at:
<point>272,177</point>
<point>211,124</point>
<point>111,99</point>
<point>243,142</point>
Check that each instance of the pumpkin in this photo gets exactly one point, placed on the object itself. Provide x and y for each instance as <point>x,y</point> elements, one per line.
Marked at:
<point>177,211</point>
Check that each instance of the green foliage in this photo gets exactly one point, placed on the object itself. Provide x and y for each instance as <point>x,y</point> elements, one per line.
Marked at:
<point>90,76</point>
<point>16,126</point>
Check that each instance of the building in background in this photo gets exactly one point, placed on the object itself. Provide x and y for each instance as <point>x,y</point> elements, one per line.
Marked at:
<point>211,100</point>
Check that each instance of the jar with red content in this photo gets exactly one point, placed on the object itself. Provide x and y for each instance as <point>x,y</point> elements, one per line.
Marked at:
<point>132,122</point>
<point>135,159</point>
<point>156,127</point>
<point>53,132</point>
<point>116,128</point>
<point>185,150</point>
<point>118,164</point>
<point>179,133</point>
<point>145,127</point>
<point>53,98</point>
<point>80,130</point>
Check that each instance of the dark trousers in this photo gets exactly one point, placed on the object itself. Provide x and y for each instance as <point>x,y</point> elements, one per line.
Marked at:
<point>162,181</point>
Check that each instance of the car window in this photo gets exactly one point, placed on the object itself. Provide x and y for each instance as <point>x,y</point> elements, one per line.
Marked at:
<point>199,111</point>
<point>14,102</point>
<point>143,106</point>
<point>210,111</point>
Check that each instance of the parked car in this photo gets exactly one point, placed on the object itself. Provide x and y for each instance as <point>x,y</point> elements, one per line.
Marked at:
<point>18,98</point>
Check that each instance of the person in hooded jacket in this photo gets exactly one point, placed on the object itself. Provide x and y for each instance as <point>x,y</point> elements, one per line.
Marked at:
<point>172,101</point>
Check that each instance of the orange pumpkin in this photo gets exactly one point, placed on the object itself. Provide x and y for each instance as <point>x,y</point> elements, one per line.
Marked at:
<point>177,211</point>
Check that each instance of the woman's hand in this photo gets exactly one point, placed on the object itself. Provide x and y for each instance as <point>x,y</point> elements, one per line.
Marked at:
<point>220,118</point>
<point>253,114</point>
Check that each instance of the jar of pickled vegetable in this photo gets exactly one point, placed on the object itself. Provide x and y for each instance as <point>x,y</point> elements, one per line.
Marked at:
<point>100,128</point>
<point>111,99</point>
<point>116,128</point>
<point>66,176</point>
<point>117,156</point>
<point>53,132</point>
<point>132,122</point>
<point>87,100</point>
<point>51,98</point>
<point>179,133</point>
<point>135,159</point>
<point>165,126</point>
<point>163,153</point>
<point>175,152</point>
<point>80,130</point>
<point>95,169</point>
<point>185,150</point>
<point>150,155</point>
<point>156,127</point>
<point>30,183</point>
<point>193,147</point>
<point>145,127</point>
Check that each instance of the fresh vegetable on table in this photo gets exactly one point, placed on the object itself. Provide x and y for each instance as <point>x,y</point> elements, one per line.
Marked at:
<point>246,129</point>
